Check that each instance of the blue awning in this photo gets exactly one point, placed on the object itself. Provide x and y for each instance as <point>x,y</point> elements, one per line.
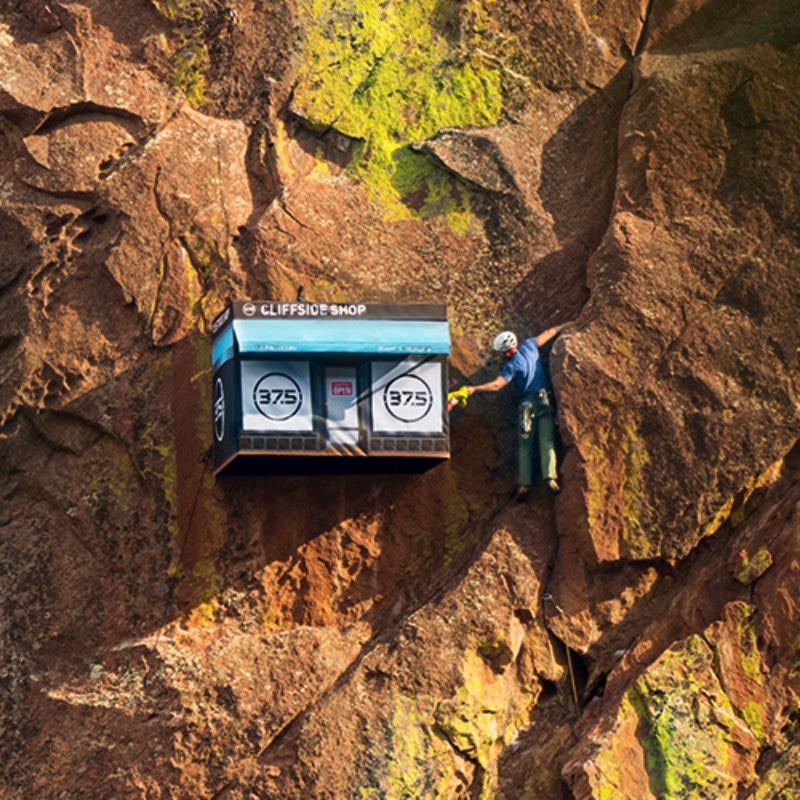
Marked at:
<point>368,336</point>
<point>272,328</point>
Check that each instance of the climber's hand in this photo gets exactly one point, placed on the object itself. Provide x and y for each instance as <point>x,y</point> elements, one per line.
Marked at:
<point>457,398</point>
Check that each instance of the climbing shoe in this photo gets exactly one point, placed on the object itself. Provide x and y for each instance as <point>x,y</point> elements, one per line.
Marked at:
<point>522,493</point>
<point>552,485</point>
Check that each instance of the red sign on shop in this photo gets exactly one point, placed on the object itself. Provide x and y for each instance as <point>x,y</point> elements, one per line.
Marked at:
<point>342,388</point>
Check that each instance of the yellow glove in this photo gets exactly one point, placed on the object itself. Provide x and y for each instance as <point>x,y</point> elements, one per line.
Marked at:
<point>457,398</point>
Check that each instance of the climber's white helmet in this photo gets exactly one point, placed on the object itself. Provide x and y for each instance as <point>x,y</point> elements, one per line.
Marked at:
<point>504,342</point>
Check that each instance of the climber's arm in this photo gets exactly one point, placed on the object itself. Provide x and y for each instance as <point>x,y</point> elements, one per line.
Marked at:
<point>493,386</point>
<point>545,336</point>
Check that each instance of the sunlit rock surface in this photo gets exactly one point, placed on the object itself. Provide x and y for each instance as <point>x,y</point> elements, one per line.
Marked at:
<point>630,169</point>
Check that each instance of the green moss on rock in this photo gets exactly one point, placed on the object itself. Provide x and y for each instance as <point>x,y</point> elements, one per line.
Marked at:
<point>782,780</point>
<point>748,646</point>
<point>750,569</point>
<point>616,462</point>
<point>418,762</point>
<point>487,712</point>
<point>191,56</point>
<point>690,743</point>
<point>458,535</point>
<point>678,734</point>
<point>387,75</point>
<point>188,71</point>
<point>753,715</point>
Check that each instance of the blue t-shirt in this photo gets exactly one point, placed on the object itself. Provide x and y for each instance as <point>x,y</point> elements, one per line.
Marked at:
<point>525,369</point>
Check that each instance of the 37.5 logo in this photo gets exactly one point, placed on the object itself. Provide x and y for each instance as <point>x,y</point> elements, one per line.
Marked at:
<point>277,396</point>
<point>408,398</point>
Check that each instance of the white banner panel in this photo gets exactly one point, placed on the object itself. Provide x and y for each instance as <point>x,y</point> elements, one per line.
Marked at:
<point>276,396</point>
<point>407,396</point>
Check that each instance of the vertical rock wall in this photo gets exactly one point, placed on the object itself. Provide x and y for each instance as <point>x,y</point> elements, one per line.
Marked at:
<point>631,170</point>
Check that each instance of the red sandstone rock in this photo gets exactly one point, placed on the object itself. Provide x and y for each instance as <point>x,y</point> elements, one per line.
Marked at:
<point>168,635</point>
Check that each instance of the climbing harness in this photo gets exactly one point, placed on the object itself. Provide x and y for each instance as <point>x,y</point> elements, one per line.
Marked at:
<point>526,422</point>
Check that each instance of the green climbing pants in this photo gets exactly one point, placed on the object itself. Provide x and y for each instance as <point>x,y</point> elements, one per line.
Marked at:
<point>536,422</point>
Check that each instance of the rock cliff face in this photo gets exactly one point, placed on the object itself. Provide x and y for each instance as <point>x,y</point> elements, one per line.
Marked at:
<point>630,168</point>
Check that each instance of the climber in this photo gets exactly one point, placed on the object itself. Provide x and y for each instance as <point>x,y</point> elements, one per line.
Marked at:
<point>524,368</point>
